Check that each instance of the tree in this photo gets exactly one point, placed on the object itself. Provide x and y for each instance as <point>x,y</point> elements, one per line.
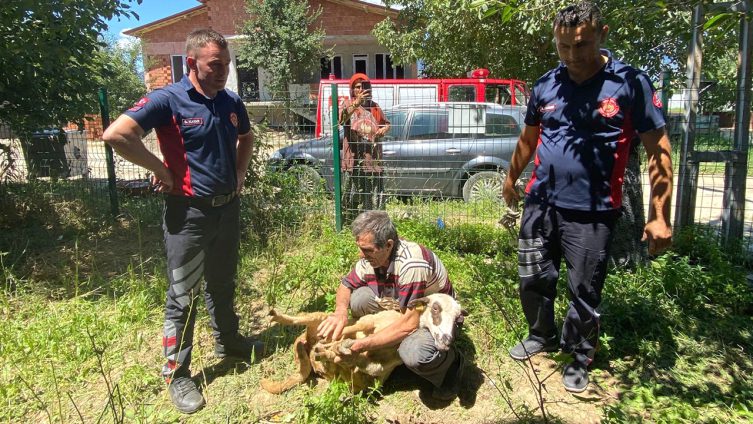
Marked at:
<point>50,59</point>
<point>514,38</point>
<point>280,38</point>
<point>121,68</point>
<point>453,37</point>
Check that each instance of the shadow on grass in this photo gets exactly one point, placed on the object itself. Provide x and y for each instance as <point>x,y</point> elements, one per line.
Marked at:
<point>672,347</point>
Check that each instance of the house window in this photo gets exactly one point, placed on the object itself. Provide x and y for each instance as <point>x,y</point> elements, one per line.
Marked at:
<point>178,65</point>
<point>331,66</point>
<point>385,68</point>
<point>360,63</point>
<point>248,82</point>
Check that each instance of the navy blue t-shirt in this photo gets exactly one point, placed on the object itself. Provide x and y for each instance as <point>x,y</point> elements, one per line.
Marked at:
<point>585,132</point>
<point>197,136</point>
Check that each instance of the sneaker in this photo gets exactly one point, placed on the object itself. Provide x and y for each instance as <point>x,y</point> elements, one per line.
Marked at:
<point>575,377</point>
<point>529,347</point>
<point>238,346</point>
<point>451,385</point>
<point>185,395</point>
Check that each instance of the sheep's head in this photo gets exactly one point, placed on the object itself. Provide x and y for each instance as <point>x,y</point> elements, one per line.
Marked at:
<point>439,312</point>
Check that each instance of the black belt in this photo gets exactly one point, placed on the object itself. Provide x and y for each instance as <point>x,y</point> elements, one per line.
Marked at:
<point>208,201</point>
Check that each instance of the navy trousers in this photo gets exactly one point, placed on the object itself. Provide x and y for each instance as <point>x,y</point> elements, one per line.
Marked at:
<point>547,235</point>
<point>202,246</point>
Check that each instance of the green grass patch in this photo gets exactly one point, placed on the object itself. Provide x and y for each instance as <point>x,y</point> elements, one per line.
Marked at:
<point>83,316</point>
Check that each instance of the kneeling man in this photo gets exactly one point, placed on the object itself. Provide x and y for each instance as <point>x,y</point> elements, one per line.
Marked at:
<point>391,268</point>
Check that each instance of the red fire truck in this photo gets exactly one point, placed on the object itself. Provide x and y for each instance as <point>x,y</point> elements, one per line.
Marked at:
<point>389,92</point>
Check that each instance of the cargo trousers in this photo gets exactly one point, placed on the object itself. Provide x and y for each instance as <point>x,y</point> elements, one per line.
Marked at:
<point>202,244</point>
<point>547,235</point>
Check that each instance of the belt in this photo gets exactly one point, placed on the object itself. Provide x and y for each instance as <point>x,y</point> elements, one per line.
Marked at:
<point>207,201</point>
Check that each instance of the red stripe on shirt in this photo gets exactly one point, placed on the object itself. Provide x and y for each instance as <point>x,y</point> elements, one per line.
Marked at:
<point>173,150</point>
<point>536,162</point>
<point>621,155</point>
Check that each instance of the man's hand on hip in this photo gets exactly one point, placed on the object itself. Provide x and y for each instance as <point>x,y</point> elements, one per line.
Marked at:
<point>163,181</point>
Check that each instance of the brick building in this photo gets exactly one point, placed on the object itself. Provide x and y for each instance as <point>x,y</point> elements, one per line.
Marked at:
<point>346,23</point>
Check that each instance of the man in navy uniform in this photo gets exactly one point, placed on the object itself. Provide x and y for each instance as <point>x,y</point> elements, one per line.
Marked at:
<point>581,118</point>
<point>205,138</point>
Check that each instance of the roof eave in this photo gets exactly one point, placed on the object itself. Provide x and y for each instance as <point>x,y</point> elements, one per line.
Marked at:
<point>151,26</point>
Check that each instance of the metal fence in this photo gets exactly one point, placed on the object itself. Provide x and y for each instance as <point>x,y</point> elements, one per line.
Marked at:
<point>443,162</point>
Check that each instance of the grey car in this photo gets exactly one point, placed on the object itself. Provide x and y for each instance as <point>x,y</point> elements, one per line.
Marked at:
<point>447,150</point>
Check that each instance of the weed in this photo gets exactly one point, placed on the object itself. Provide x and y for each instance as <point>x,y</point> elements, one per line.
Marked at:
<point>339,405</point>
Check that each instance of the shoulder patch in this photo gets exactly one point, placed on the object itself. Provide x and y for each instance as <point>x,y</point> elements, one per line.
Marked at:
<point>609,107</point>
<point>234,119</point>
<point>139,105</point>
<point>657,101</point>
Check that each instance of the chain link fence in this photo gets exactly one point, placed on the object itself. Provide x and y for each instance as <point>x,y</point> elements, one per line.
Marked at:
<point>441,162</point>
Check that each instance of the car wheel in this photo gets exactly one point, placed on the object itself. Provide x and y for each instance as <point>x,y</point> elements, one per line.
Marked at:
<point>308,178</point>
<point>484,185</point>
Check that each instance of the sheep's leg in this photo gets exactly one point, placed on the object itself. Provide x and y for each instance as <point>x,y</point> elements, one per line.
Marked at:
<point>311,318</point>
<point>364,327</point>
<point>304,370</point>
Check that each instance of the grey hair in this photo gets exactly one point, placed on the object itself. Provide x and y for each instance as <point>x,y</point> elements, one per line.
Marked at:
<point>199,38</point>
<point>377,223</point>
<point>584,12</point>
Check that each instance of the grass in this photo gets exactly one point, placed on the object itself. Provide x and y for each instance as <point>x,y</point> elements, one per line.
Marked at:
<point>83,317</point>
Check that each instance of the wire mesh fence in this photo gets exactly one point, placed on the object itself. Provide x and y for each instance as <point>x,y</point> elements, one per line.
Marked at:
<point>443,162</point>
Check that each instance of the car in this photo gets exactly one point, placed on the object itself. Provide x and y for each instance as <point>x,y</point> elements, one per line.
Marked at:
<point>442,149</point>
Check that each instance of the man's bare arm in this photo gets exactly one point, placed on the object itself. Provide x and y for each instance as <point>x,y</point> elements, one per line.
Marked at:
<point>245,153</point>
<point>658,230</point>
<point>391,335</point>
<point>525,148</point>
<point>124,135</point>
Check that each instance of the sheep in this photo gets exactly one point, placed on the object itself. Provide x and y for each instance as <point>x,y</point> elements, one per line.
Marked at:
<point>333,359</point>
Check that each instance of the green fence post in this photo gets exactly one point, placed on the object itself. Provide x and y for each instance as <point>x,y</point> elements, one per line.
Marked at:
<point>336,157</point>
<point>104,110</point>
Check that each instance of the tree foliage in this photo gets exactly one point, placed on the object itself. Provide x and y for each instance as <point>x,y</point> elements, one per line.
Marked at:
<point>49,69</point>
<point>121,65</point>
<point>514,38</point>
<point>280,37</point>
<point>452,37</point>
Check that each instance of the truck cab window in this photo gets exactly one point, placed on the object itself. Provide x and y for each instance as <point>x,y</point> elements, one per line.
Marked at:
<point>462,93</point>
<point>498,94</point>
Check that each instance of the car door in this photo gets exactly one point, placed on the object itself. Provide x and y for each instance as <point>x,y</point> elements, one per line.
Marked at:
<point>425,156</point>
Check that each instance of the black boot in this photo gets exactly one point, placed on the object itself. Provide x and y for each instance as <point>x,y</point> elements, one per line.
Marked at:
<point>238,346</point>
<point>185,395</point>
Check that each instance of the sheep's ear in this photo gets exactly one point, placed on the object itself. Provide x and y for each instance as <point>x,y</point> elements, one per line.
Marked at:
<point>463,312</point>
<point>418,303</point>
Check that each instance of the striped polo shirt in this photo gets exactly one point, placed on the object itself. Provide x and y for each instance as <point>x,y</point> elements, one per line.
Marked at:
<point>413,272</point>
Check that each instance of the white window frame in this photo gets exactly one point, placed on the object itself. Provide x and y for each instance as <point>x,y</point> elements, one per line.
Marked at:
<point>384,67</point>
<point>332,65</point>
<point>172,68</point>
<point>357,57</point>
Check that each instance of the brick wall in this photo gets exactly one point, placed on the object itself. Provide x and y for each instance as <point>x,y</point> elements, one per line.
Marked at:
<point>338,19</point>
<point>159,73</point>
<point>92,126</point>
<point>177,31</point>
<point>227,16</point>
